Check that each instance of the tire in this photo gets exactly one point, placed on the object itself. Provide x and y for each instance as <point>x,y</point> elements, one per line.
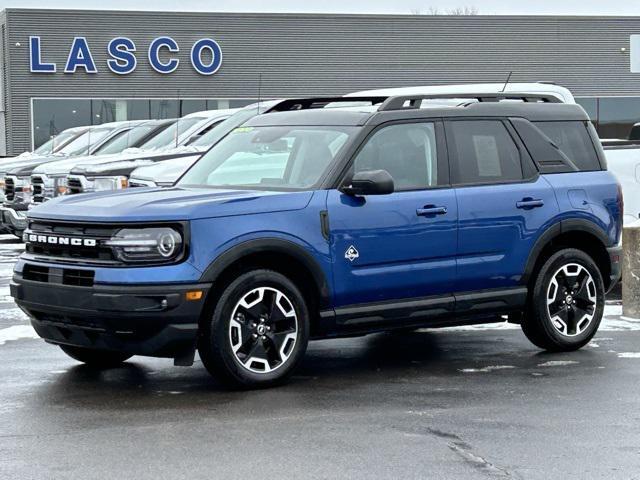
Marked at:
<point>251,340</point>
<point>95,358</point>
<point>572,283</point>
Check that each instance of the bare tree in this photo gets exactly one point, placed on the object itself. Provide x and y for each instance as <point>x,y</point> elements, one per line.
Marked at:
<point>463,11</point>
<point>460,11</point>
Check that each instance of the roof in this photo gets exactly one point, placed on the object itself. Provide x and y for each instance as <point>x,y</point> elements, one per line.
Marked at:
<point>562,93</point>
<point>354,116</point>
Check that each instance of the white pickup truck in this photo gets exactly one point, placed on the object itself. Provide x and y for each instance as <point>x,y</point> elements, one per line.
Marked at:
<point>623,160</point>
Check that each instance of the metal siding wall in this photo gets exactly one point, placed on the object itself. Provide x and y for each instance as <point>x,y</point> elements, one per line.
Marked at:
<point>301,54</point>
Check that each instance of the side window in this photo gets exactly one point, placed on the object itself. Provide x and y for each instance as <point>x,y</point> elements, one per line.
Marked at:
<point>572,139</point>
<point>483,152</point>
<point>407,151</point>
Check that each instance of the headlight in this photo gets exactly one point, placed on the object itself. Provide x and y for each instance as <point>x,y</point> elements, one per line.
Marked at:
<point>161,244</point>
<point>100,184</point>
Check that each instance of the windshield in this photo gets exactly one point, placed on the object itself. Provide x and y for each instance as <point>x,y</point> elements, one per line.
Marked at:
<point>214,135</point>
<point>292,157</point>
<point>53,144</point>
<point>170,136</point>
<point>84,143</point>
<point>126,139</point>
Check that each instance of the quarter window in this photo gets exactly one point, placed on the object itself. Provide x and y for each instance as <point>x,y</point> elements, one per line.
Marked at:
<point>572,139</point>
<point>484,152</point>
<point>408,152</point>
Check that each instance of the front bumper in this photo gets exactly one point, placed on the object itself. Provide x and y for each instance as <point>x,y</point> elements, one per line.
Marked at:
<point>12,219</point>
<point>140,320</point>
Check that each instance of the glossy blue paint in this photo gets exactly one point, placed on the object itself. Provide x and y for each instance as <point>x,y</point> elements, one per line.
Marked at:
<point>495,236</point>
<point>601,195</point>
<point>482,241</point>
<point>401,254</point>
<point>172,204</point>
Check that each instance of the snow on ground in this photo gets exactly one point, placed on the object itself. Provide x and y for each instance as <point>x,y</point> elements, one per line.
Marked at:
<point>16,332</point>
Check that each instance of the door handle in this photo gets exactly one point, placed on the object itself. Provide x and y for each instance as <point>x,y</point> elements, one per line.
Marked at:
<point>429,210</point>
<point>529,203</point>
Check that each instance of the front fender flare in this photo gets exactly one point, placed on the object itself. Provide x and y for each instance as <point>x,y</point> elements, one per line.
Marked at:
<point>266,245</point>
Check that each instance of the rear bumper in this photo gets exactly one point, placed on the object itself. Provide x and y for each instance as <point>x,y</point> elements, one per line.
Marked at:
<point>139,320</point>
<point>615,259</point>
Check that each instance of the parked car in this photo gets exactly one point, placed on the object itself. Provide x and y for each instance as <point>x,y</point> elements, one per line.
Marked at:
<point>113,173</point>
<point>17,175</point>
<point>320,222</point>
<point>623,160</point>
<point>56,142</point>
<point>49,179</point>
<point>167,172</point>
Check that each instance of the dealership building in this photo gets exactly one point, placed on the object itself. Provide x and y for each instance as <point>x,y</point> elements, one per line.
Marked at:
<point>64,68</point>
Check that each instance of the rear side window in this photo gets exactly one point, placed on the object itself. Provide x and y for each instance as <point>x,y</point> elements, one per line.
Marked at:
<point>484,152</point>
<point>574,141</point>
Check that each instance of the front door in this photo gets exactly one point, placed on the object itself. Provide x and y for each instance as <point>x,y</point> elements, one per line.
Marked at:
<point>400,245</point>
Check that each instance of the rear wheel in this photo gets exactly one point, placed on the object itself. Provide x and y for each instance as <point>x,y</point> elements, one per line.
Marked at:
<point>258,332</point>
<point>567,302</point>
<point>95,358</point>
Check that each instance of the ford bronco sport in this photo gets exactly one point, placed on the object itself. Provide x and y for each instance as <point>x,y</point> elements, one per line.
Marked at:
<point>316,222</point>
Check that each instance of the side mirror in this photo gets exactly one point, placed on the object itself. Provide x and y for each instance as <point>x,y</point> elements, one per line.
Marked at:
<point>370,182</point>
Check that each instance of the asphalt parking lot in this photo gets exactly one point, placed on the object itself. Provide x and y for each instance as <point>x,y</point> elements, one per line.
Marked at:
<point>458,403</point>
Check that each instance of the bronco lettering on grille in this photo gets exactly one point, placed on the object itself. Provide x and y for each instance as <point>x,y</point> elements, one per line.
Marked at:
<point>55,240</point>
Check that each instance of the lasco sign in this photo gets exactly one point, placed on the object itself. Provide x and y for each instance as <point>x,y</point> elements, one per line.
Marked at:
<point>161,55</point>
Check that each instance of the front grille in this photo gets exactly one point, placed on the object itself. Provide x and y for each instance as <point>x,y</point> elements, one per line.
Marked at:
<point>82,253</point>
<point>9,189</point>
<point>64,276</point>
<point>37,184</point>
<point>74,185</point>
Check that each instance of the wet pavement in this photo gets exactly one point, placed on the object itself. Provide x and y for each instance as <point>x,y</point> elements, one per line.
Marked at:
<point>473,402</point>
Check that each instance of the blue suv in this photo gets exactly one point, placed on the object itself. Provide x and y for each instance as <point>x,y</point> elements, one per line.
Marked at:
<point>315,222</point>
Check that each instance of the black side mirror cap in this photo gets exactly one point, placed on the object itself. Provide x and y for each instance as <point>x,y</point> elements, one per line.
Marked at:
<point>370,182</point>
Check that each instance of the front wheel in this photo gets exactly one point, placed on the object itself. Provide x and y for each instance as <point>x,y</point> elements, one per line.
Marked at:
<point>258,332</point>
<point>95,358</point>
<point>567,302</point>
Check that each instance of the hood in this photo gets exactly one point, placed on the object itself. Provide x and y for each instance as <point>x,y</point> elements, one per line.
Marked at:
<point>63,167</point>
<point>132,154</point>
<point>167,204</point>
<point>166,172</point>
<point>123,166</point>
<point>25,166</point>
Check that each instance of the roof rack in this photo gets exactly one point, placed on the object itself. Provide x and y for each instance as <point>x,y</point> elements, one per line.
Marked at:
<point>321,102</point>
<point>404,102</point>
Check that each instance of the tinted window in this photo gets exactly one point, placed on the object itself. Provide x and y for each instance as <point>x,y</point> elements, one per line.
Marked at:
<point>125,139</point>
<point>83,144</point>
<point>171,136</point>
<point>617,116</point>
<point>572,138</point>
<point>407,152</point>
<point>484,152</point>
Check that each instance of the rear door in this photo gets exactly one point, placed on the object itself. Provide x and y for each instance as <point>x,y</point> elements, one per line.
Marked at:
<point>503,204</point>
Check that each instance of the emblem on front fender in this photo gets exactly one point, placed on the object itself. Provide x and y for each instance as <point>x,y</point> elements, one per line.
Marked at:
<point>351,254</point>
